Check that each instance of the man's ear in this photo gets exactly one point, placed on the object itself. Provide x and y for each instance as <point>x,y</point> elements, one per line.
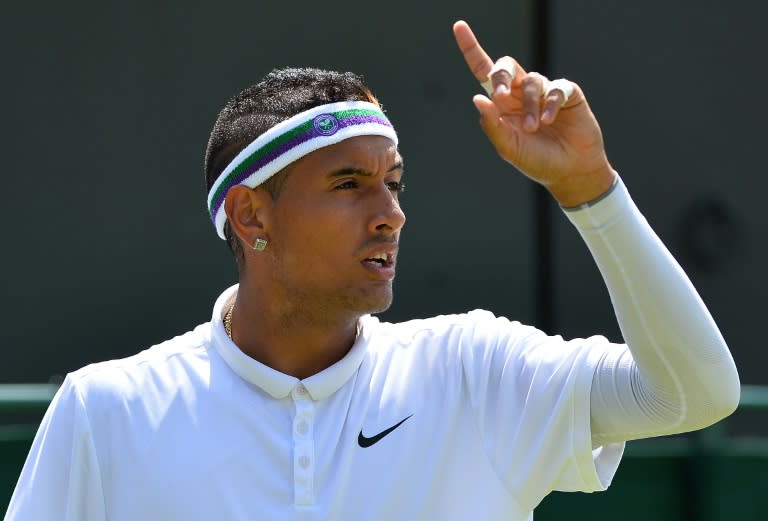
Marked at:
<point>248,212</point>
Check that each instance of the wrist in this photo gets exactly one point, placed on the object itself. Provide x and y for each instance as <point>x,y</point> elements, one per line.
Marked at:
<point>583,189</point>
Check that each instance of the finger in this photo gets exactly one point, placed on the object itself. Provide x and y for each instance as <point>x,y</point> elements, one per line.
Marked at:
<point>532,86</point>
<point>502,74</point>
<point>488,110</point>
<point>552,103</point>
<point>477,59</point>
<point>491,123</point>
<point>556,95</point>
<point>489,115</point>
<point>564,86</point>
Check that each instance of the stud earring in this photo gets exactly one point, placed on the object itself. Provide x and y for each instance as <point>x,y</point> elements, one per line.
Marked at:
<point>259,245</point>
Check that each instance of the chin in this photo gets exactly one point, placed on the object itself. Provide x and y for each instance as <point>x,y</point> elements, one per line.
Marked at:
<point>380,309</point>
<point>377,303</point>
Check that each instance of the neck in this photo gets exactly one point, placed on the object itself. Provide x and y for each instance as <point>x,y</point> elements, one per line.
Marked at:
<point>292,341</point>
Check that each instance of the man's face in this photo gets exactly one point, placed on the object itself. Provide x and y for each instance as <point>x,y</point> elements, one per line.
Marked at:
<point>335,227</point>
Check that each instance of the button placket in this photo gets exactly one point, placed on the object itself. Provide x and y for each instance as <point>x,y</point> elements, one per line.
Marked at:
<point>303,447</point>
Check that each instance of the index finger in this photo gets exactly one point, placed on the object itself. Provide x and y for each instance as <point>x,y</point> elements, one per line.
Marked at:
<point>477,59</point>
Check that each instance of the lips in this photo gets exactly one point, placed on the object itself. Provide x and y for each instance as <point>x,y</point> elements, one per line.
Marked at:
<point>381,260</point>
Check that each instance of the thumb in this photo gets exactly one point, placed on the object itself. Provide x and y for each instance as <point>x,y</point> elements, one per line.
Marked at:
<point>492,124</point>
<point>487,109</point>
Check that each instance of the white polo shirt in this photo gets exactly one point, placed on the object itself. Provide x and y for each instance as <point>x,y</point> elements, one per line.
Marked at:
<point>451,418</point>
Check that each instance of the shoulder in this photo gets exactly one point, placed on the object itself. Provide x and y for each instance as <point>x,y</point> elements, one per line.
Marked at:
<point>449,339</point>
<point>477,326</point>
<point>164,365</point>
<point>436,325</point>
<point>480,338</point>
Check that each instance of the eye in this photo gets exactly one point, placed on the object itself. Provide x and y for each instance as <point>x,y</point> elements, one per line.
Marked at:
<point>346,185</point>
<point>396,186</point>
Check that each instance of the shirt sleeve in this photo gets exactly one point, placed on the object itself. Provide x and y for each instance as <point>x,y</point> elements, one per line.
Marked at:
<point>676,373</point>
<point>530,396</point>
<point>60,480</point>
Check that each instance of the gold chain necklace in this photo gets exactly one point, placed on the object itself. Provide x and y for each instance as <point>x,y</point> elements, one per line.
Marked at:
<point>228,321</point>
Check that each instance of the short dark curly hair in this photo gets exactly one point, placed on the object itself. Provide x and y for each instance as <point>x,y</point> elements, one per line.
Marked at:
<point>282,93</point>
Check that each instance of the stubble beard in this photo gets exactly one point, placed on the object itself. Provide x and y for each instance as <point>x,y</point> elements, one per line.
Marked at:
<point>329,309</point>
<point>319,305</point>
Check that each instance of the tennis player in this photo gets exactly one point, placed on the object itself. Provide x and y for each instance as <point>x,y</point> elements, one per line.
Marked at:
<point>295,403</point>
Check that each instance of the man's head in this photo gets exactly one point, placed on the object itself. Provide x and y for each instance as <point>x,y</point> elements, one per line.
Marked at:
<point>282,94</point>
<point>330,213</point>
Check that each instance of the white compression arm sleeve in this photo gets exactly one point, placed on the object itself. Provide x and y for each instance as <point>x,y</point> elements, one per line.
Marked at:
<point>677,374</point>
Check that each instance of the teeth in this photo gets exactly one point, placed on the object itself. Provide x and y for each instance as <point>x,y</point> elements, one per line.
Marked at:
<point>378,257</point>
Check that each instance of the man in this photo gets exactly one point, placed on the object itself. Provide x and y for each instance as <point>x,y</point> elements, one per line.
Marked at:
<point>295,403</point>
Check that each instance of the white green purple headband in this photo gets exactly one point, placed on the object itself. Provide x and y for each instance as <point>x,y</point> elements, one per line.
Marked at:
<point>292,139</point>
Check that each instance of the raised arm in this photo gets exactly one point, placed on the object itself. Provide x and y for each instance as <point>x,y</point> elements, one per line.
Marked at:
<point>676,373</point>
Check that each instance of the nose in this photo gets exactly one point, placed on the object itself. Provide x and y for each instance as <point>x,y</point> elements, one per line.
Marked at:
<point>388,217</point>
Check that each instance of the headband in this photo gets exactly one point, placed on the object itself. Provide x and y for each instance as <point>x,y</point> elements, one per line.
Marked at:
<point>291,140</point>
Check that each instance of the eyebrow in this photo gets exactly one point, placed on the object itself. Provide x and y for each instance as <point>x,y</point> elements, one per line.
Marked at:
<point>350,170</point>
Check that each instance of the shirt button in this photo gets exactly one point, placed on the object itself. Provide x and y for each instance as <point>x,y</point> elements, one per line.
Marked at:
<point>301,390</point>
<point>302,428</point>
<point>304,462</point>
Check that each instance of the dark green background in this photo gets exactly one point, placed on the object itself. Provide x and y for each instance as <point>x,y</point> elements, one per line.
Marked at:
<point>108,247</point>
<point>107,107</point>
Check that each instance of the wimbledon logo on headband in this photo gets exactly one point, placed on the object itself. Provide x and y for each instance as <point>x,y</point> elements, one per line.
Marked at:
<point>326,124</point>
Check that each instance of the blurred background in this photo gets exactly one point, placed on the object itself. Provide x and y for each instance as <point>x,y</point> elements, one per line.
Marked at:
<point>108,104</point>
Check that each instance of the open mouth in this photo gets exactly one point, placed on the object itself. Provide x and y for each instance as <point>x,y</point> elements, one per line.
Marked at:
<point>382,260</point>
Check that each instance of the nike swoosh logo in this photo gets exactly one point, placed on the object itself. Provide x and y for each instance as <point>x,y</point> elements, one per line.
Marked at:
<point>364,442</point>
